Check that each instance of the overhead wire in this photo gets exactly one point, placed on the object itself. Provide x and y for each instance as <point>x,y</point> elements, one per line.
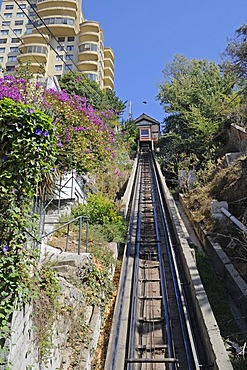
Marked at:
<point>18,36</point>
<point>50,32</point>
<point>47,42</point>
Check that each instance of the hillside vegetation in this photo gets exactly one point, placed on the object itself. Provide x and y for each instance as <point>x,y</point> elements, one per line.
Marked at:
<point>202,100</point>
<point>226,184</point>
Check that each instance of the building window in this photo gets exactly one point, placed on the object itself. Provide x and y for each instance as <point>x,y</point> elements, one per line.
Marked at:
<point>144,133</point>
<point>7,15</point>
<point>92,76</point>
<point>23,6</point>
<point>60,48</point>
<point>14,49</point>
<point>3,41</point>
<point>4,32</point>
<point>10,68</point>
<point>9,7</point>
<point>6,23</point>
<point>71,39</point>
<point>19,23</point>
<point>2,50</point>
<point>12,59</point>
<point>58,67</point>
<point>59,57</point>
<point>61,39</point>
<point>28,31</point>
<point>20,15</point>
<point>70,48</point>
<point>69,57</point>
<point>68,67</point>
<point>14,40</point>
<point>54,20</point>
<point>1,59</point>
<point>17,31</point>
<point>88,47</point>
<point>37,49</point>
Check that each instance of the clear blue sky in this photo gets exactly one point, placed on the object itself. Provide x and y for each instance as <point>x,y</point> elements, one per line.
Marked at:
<point>146,34</point>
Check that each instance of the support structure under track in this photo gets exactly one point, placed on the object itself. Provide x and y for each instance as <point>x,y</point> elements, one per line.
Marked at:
<point>152,321</point>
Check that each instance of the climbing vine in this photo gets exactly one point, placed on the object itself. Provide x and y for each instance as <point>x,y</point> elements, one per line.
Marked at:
<point>27,154</point>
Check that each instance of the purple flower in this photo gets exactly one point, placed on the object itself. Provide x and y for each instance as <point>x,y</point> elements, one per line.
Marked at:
<point>5,249</point>
<point>59,143</point>
<point>46,133</point>
<point>4,158</point>
<point>53,170</point>
<point>38,132</point>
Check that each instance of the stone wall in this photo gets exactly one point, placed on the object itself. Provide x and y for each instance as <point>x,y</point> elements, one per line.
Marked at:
<point>21,349</point>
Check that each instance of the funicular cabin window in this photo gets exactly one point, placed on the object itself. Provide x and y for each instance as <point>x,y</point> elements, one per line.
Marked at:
<point>144,133</point>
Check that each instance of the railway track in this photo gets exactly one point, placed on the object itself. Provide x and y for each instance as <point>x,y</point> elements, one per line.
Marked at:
<point>151,327</point>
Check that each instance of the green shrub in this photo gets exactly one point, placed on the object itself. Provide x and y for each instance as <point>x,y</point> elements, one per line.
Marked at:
<point>99,210</point>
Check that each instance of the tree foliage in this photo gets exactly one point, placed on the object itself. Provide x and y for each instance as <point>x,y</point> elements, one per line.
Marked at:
<point>236,60</point>
<point>80,84</point>
<point>237,53</point>
<point>197,97</point>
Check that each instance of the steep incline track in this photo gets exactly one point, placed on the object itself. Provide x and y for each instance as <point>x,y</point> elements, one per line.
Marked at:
<point>151,322</point>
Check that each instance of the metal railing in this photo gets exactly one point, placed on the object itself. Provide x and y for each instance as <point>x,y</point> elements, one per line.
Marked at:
<point>40,207</point>
<point>78,220</point>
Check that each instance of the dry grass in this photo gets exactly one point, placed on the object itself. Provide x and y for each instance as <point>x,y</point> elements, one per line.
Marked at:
<point>230,185</point>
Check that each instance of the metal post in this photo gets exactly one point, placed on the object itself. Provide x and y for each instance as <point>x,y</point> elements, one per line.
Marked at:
<point>86,236</point>
<point>59,194</point>
<point>79,237</point>
<point>67,238</point>
<point>72,185</point>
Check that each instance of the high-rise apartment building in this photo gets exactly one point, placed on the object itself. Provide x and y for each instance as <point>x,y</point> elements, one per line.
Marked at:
<point>53,38</point>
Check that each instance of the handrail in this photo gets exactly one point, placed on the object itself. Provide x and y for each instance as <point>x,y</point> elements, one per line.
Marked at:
<point>60,187</point>
<point>238,223</point>
<point>80,218</point>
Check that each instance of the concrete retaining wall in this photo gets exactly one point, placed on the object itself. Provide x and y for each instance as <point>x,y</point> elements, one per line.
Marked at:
<point>235,285</point>
<point>125,201</point>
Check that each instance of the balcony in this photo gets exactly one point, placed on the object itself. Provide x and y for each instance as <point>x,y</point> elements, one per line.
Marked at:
<point>108,83</point>
<point>68,4</point>
<point>108,63</point>
<point>35,38</point>
<point>53,11</point>
<point>89,37</point>
<point>90,32</point>
<point>88,55</point>
<point>108,54</point>
<point>108,72</point>
<point>33,54</point>
<point>60,26</point>
<point>90,26</point>
<point>33,67</point>
<point>88,66</point>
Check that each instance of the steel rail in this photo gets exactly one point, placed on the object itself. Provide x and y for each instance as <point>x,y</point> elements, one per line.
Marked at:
<point>145,330</point>
<point>164,289</point>
<point>133,312</point>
